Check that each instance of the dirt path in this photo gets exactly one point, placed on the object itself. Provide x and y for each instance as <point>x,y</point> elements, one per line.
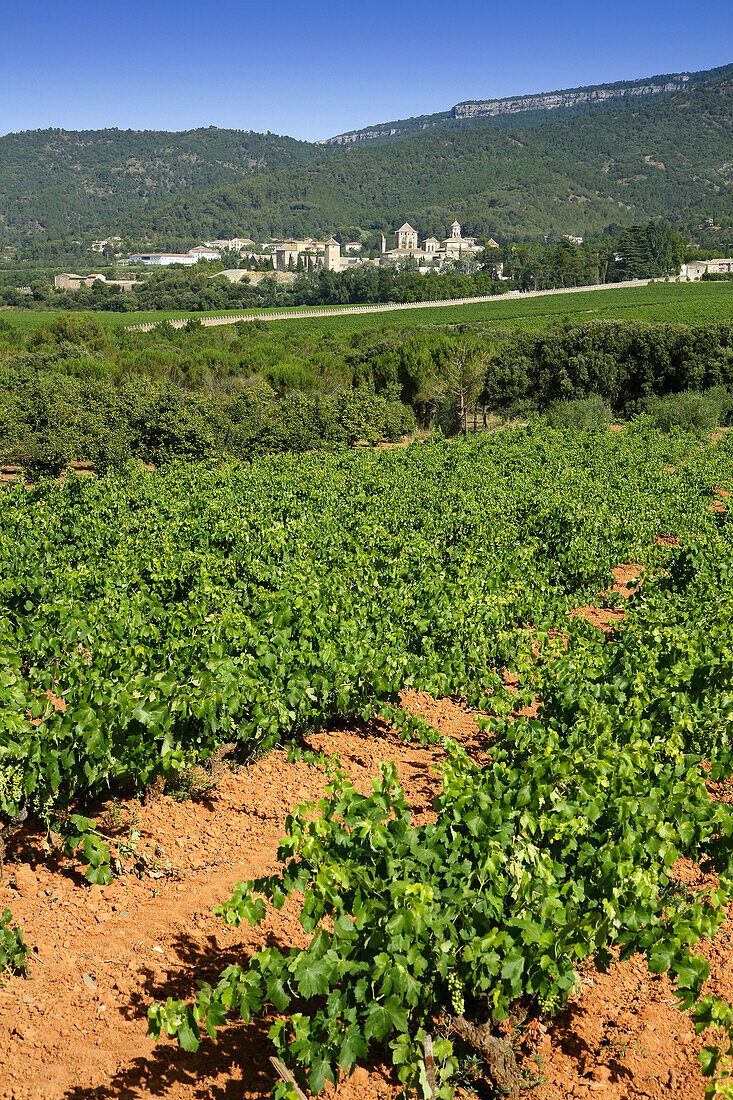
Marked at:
<point>386,307</point>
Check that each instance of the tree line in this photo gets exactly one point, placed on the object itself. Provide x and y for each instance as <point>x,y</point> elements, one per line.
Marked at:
<point>73,390</point>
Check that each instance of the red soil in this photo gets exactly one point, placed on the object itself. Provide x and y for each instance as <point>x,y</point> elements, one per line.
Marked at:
<point>718,504</point>
<point>626,578</point>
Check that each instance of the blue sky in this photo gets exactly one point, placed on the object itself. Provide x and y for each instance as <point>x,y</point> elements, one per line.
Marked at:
<point>313,69</point>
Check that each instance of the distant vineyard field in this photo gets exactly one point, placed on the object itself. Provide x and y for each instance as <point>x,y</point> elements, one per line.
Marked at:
<point>684,303</point>
<point>691,304</point>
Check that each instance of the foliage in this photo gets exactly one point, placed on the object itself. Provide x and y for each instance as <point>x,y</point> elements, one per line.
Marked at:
<point>198,290</point>
<point>171,610</point>
<point>649,251</point>
<point>14,950</point>
<point>59,177</point>
<point>584,413</point>
<point>557,851</point>
<point>74,390</point>
<point>623,363</point>
<point>690,410</point>
<point>148,617</point>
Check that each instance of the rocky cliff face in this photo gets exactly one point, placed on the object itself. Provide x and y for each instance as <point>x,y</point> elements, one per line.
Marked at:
<point>489,108</point>
<point>377,133</point>
<point>548,101</point>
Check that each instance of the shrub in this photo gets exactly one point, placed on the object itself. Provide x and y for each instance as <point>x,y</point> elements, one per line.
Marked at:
<point>583,414</point>
<point>690,410</point>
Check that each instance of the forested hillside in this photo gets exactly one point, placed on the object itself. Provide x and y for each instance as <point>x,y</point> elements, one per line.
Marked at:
<point>586,171</point>
<point>592,171</point>
<point>54,182</point>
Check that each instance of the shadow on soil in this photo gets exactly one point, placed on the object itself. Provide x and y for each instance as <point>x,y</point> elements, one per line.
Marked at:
<point>565,1036</point>
<point>239,1057</point>
<point>235,1064</point>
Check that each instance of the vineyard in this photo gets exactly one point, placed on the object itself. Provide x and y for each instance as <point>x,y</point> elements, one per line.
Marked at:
<point>682,303</point>
<point>154,623</point>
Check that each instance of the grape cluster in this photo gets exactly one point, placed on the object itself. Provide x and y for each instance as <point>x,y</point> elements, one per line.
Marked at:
<point>11,786</point>
<point>455,989</point>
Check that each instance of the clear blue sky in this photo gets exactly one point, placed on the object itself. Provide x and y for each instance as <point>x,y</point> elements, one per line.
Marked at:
<point>315,69</point>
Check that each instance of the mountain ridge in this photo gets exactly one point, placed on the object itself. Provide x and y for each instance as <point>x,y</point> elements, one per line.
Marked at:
<point>513,105</point>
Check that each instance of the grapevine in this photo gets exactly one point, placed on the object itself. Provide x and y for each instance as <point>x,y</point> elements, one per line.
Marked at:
<point>172,612</point>
<point>14,951</point>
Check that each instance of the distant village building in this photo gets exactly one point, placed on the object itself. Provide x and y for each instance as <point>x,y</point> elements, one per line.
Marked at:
<point>232,244</point>
<point>68,281</point>
<point>332,255</point>
<point>695,269</point>
<point>99,246</point>
<point>453,247</point>
<point>165,259</point>
<point>313,254</point>
<point>406,238</point>
<point>286,254</point>
<point>203,252</point>
<point>334,261</point>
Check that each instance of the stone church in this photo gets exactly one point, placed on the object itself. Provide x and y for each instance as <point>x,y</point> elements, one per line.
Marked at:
<point>432,250</point>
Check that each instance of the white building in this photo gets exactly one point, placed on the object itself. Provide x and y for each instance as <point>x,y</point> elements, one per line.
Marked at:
<point>164,259</point>
<point>697,268</point>
<point>204,252</point>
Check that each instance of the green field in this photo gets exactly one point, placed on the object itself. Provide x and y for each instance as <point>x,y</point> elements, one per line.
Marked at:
<point>692,304</point>
<point>686,303</point>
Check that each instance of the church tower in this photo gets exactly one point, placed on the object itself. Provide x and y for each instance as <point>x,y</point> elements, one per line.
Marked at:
<point>332,255</point>
<point>406,238</point>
